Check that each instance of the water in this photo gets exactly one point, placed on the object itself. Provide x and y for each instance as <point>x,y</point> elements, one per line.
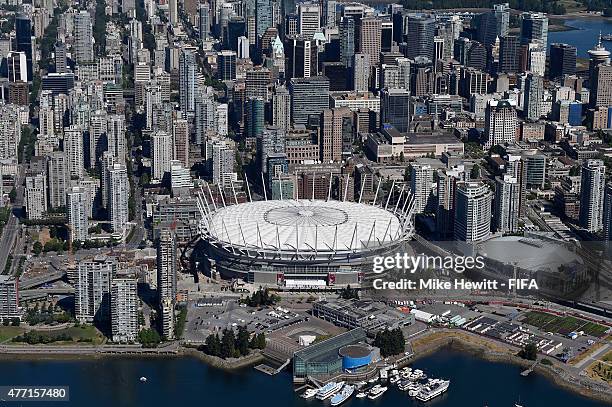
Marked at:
<point>585,35</point>
<point>189,382</point>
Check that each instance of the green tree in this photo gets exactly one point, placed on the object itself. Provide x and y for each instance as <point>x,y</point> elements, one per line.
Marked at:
<point>475,172</point>
<point>149,338</point>
<point>390,342</point>
<point>212,345</point>
<point>242,341</point>
<point>529,351</point>
<point>228,344</point>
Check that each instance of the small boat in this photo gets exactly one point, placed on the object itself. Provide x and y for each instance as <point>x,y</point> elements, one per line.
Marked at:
<point>393,379</point>
<point>309,393</point>
<point>373,380</point>
<point>143,379</point>
<point>342,396</point>
<point>361,395</point>
<point>605,37</point>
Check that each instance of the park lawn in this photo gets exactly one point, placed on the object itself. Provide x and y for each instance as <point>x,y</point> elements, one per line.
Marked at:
<point>8,332</point>
<point>79,334</point>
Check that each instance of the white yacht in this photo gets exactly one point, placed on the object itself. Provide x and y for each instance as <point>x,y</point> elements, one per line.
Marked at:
<point>361,394</point>
<point>376,392</point>
<point>329,389</point>
<point>432,389</point>
<point>309,393</point>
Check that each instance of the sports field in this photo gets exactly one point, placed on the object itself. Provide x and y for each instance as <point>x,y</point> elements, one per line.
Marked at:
<point>563,324</point>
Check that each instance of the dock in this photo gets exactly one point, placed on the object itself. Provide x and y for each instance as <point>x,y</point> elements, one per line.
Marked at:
<point>271,371</point>
<point>526,372</point>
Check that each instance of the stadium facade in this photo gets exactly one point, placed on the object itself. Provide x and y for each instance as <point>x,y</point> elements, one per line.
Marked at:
<point>303,244</point>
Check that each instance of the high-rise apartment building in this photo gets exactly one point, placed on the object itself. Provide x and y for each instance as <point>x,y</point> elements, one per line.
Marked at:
<point>472,212</point>
<point>92,290</point>
<point>507,204</point>
<point>162,151</point>
<point>592,187</point>
<point>83,37</point>
<point>35,196</point>
<point>77,202</point>
<point>124,304</point>
<point>118,197</point>
<point>58,178</point>
<point>421,186</point>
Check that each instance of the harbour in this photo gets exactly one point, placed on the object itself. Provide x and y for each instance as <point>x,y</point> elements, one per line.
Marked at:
<point>188,381</point>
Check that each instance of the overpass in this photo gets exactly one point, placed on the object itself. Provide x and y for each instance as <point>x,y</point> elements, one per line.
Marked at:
<point>36,281</point>
<point>36,293</point>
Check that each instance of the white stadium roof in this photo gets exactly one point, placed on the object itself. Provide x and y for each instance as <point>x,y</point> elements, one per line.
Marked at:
<point>304,226</point>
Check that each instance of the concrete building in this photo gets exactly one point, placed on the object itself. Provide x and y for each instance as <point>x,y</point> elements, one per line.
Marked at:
<point>500,123</point>
<point>58,178</point>
<point>592,195</point>
<point>77,202</point>
<point>92,290</point>
<point>309,97</point>
<point>73,147</point>
<point>472,212</point>
<point>9,297</point>
<point>124,304</point>
<point>83,37</point>
<point>162,149</point>
<point>36,196</point>
<point>361,72</point>
<point>507,204</point>
<point>118,198</point>
<point>421,185</point>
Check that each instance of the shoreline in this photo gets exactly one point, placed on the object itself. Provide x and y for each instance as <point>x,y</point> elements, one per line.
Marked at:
<point>451,341</point>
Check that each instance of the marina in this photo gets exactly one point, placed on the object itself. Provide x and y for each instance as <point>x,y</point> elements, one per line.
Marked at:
<point>415,382</point>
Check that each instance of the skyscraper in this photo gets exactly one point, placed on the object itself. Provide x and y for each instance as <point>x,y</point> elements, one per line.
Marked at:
<point>302,57</point>
<point>92,290</point>
<point>562,60</point>
<point>534,94</point>
<point>76,206</point>
<point>592,187</point>
<point>187,81</point>
<point>73,147</point>
<point>226,65</point>
<point>9,297</point>
<point>445,208</point>
<point>607,217</point>
<point>507,204</point>
<point>35,196</point>
<point>166,265</point>
<point>472,212</point>
<point>57,171</point>
<point>255,120</point>
<point>263,17</point>
<point>602,88</point>
<point>500,123</point>
<point>368,37</point>
<point>347,41</point>
<point>281,107</point>
<point>534,28</point>
<point>83,37</point>
<point>394,109</point>
<point>309,97</point>
<point>421,32</point>
<point>493,24</point>
<point>509,54</point>
<point>335,131</point>
<point>23,40</point>
<point>180,133</point>
<point>204,20</point>
<point>118,197</point>
<point>162,152</point>
<point>309,18</point>
<point>421,185</point>
<point>124,309</point>
<point>115,136</point>
<point>361,72</point>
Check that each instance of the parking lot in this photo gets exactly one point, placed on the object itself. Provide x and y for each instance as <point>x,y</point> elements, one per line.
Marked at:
<point>206,317</point>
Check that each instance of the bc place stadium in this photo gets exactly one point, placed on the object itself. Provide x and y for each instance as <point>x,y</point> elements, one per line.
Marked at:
<point>303,244</point>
